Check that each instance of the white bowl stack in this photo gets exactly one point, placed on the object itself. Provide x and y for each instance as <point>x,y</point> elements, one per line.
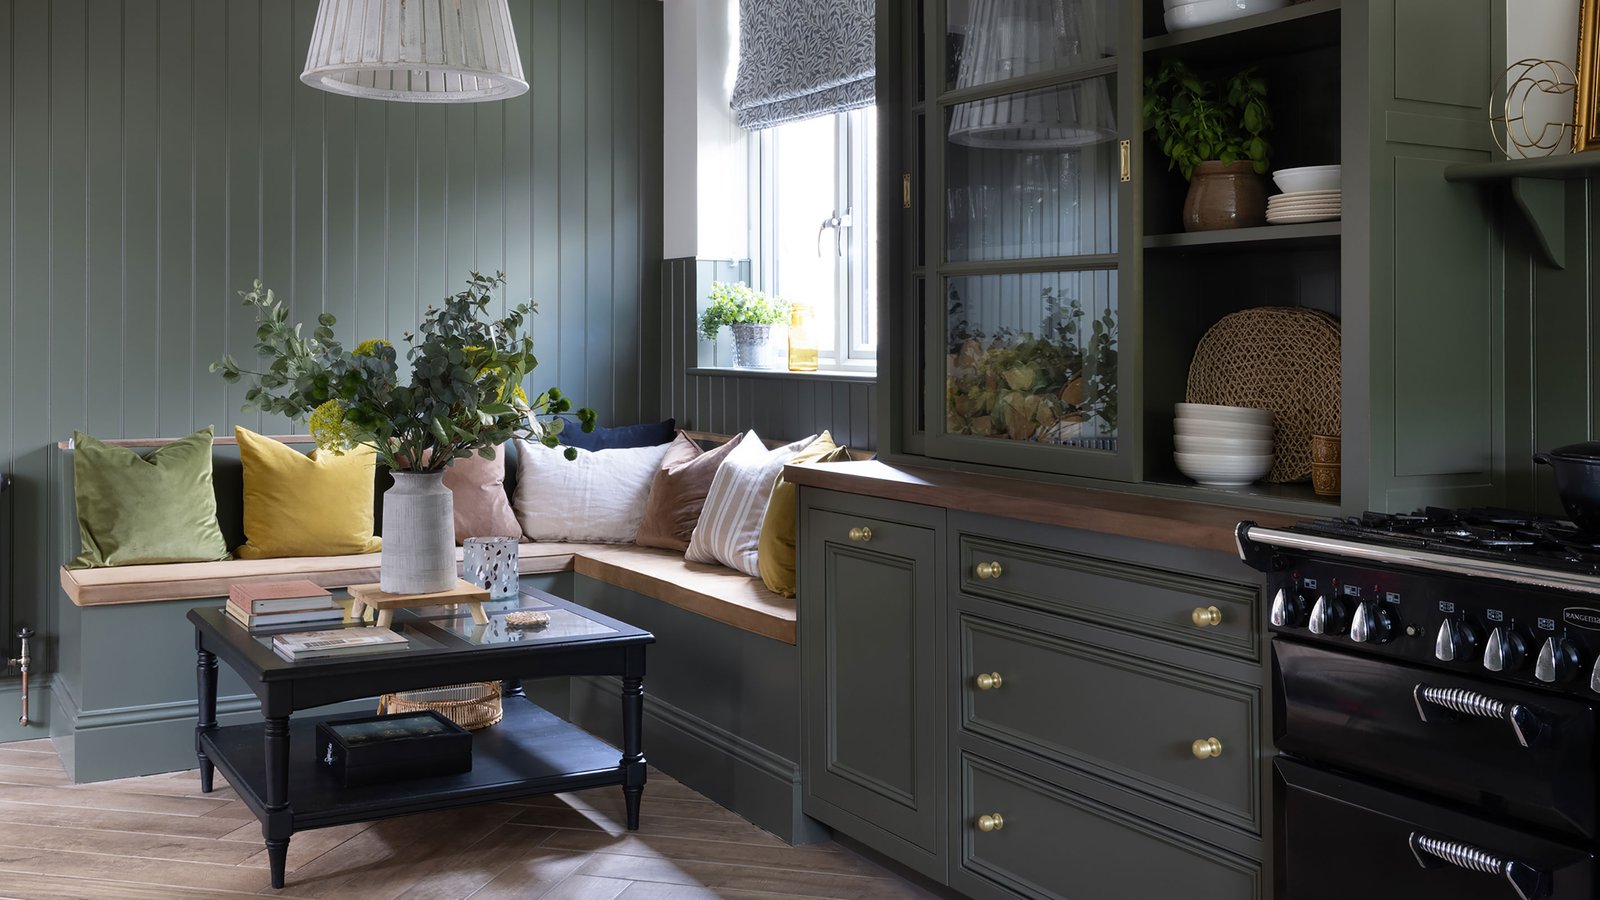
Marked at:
<point>1227,446</point>
<point>1310,194</point>
<point>1181,14</point>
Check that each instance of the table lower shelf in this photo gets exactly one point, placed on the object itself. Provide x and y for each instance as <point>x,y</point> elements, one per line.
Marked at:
<point>530,751</point>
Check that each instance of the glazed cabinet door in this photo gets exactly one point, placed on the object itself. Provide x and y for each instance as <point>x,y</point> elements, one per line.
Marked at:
<point>874,735</point>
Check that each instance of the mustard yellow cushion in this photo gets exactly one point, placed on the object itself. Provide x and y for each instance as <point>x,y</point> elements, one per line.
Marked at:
<point>775,553</point>
<point>317,504</point>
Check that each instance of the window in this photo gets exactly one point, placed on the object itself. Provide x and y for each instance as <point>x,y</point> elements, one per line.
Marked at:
<point>813,210</point>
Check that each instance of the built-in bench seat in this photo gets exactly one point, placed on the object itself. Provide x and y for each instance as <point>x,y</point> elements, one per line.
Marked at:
<point>712,591</point>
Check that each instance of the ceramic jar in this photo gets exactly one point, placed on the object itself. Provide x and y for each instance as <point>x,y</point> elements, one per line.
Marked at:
<point>1225,195</point>
<point>419,535</point>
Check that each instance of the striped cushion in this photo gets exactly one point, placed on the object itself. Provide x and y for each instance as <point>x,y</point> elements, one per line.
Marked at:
<point>729,529</point>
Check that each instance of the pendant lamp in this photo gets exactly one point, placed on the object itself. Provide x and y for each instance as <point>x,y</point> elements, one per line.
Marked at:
<point>1011,38</point>
<point>422,51</point>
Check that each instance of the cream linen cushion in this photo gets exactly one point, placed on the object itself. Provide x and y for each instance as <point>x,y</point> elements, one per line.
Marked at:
<point>598,497</point>
<point>729,530</point>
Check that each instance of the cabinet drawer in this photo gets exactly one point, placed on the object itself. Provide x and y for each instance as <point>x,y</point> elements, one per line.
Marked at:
<point>1128,718</point>
<point>1173,606</point>
<point>1047,841</point>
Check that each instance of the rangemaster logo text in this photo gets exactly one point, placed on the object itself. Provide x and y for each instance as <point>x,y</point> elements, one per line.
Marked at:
<point>1582,617</point>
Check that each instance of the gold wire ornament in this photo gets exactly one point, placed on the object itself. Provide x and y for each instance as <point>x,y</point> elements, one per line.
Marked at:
<point>1524,82</point>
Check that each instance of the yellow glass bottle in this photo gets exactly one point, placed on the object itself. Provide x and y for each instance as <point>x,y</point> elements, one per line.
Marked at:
<point>802,338</point>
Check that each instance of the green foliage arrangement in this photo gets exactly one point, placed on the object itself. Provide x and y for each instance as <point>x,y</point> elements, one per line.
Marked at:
<point>1197,121</point>
<point>739,304</point>
<point>464,395</point>
<point>1033,385</point>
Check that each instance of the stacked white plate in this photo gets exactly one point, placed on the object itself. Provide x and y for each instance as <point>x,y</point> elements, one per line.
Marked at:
<point>1226,446</point>
<point>1181,14</point>
<point>1310,194</point>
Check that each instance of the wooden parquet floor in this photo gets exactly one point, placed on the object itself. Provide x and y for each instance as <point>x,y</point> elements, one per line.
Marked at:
<point>159,837</point>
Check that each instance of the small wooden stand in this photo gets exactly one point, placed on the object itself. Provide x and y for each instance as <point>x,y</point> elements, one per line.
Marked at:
<point>372,596</point>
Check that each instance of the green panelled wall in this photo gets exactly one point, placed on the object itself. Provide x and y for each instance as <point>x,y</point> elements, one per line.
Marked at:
<point>159,154</point>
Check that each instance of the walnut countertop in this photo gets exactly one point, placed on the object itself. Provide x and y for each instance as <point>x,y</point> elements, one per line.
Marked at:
<point>1183,523</point>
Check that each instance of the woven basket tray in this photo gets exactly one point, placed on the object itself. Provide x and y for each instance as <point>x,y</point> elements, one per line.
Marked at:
<point>1277,358</point>
<point>473,705</point>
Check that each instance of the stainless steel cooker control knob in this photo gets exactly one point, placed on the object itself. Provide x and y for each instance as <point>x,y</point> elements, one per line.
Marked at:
<point>1328,616</point>
<point>1288,610</point>
<point>1504,651</point>
<point>1370,624</point>
<point>1558,661</point>
<point>1455,641</point>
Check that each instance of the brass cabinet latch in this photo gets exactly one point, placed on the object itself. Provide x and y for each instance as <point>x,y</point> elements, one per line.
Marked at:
<point>1125,151</point>
<point>905,191</point>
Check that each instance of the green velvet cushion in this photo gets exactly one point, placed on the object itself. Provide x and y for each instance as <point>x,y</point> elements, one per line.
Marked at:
<point>136,509</point>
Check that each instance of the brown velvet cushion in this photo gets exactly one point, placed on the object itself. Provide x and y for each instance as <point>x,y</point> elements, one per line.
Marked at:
<point>678,493</point>
<point>478,487</point>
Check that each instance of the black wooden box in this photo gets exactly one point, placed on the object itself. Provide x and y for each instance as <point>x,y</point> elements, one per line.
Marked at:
<point>373,749</point>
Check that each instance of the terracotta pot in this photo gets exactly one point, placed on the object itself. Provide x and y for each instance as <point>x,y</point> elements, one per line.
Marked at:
<point>1225,195</point>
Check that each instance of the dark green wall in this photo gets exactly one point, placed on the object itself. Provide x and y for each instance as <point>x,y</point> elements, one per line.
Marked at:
<point>159,154</point>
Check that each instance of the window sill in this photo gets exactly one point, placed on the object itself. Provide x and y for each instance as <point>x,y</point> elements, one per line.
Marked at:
<point>851,377</point>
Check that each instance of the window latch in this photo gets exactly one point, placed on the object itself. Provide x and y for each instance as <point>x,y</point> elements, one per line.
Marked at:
<point>838,223</point>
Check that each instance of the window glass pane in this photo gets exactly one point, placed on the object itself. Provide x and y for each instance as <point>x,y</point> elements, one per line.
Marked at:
<point>805,193</point>
<point>1033,357</point>
<point>1033,174</point>
<point>863,262</point>
<point>993,40</point>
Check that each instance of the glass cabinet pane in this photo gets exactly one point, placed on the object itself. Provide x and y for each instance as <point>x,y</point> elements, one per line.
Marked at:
<point>993,40</point>
<point>1033,358</point>
<point>1033,174</point>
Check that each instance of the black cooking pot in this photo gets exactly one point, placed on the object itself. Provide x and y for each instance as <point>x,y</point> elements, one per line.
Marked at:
<point>1577,471</point>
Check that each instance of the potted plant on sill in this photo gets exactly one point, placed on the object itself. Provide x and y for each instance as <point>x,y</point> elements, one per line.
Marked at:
<point>464,396</point>
<point>750,315</point>
<point>1217,136</point>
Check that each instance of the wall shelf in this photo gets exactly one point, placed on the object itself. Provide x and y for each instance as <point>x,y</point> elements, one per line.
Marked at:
<point>1302,26</point>
<point>1537,191</point>
<point>1284,237</point>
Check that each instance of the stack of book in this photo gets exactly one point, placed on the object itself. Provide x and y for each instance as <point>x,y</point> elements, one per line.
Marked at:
<point>301,645</point>
<point>259,604</point>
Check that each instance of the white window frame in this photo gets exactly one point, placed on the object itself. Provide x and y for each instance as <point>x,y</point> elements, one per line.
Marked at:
<point>855,293</point>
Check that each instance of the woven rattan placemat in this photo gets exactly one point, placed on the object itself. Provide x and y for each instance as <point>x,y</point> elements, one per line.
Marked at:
<point>1278,358</point>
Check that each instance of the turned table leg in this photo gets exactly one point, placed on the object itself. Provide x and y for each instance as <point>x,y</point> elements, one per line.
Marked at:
<point>206,677</point>
<point>277,826</point>
<point>633,763</point>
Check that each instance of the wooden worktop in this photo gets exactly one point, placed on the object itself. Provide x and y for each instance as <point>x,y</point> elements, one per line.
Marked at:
<point>1201,525</point>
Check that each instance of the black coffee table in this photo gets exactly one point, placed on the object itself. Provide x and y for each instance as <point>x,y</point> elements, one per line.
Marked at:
<point>272,764</point>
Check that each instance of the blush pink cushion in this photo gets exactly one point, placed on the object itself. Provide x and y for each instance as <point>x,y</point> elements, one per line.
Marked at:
<point>479,489</point>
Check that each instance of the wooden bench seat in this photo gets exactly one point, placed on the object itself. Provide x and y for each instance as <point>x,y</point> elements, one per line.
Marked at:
<point>715,592</point>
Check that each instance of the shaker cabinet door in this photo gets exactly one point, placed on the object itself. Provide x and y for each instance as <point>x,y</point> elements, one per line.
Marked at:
<point>873,737</point>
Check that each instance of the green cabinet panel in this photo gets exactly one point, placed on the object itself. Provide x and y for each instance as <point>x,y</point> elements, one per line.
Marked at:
<point>1444,55</point>
<point>870,656</point>
<point>1054,842</point>
<point>1125,714</point>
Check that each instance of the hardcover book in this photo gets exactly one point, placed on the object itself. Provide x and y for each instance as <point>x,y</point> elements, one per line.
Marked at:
<point>299,645</point>
<point>278,596</point>
<point>329,614</point>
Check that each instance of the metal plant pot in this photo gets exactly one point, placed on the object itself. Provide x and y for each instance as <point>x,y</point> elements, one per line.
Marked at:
<point>752,346</point>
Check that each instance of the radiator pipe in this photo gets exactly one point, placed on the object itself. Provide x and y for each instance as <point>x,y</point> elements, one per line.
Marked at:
<point>21,662</point>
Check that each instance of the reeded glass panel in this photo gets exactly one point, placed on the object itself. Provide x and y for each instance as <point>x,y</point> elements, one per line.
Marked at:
<point>993,40</point>
<point>1033,174</point>
<point>1033,358</point>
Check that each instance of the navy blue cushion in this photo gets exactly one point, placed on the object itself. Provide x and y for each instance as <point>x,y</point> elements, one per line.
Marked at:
<point>620,437</point>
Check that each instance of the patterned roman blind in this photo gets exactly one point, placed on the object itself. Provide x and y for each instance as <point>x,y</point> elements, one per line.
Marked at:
<point>803,58</point>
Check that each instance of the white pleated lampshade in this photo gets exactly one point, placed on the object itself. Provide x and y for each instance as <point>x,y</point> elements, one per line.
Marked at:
<point>1012,38</point>
<point>423,51</point>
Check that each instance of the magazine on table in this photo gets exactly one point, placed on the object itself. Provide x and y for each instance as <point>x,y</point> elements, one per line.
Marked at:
<point>299,645</point>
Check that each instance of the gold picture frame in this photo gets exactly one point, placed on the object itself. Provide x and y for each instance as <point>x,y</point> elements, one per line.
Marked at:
<point>1586,111</point>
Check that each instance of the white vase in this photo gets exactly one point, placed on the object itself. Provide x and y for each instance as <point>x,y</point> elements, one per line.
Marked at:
<point>752,346</point>
<point>419,535</point>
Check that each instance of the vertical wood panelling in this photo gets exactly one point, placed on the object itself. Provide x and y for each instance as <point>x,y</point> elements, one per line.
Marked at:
<point>776,408</point>
<point>164,153</point>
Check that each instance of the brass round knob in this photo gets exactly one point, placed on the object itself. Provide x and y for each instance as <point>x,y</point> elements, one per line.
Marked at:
<point>861,533</point>
<point>987,570</point>
<point>1206,615</point>
<point>991,822</point>
<point>988,681</point>
<point>1206,748</point>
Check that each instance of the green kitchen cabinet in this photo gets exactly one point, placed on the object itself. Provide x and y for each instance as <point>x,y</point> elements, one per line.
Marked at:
<point>1043,302</point>
<point>873,751</point>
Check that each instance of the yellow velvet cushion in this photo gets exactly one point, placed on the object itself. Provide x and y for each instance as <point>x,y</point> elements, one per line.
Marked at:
<point>295,504</point>
<point>775,551</point>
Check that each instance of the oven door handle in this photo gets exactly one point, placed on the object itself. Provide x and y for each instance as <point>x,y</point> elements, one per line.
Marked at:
<point>1525,721</point>
<point>1528,882</point>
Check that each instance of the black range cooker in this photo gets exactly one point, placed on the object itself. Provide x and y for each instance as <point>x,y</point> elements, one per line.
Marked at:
<point>1436,680</point>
